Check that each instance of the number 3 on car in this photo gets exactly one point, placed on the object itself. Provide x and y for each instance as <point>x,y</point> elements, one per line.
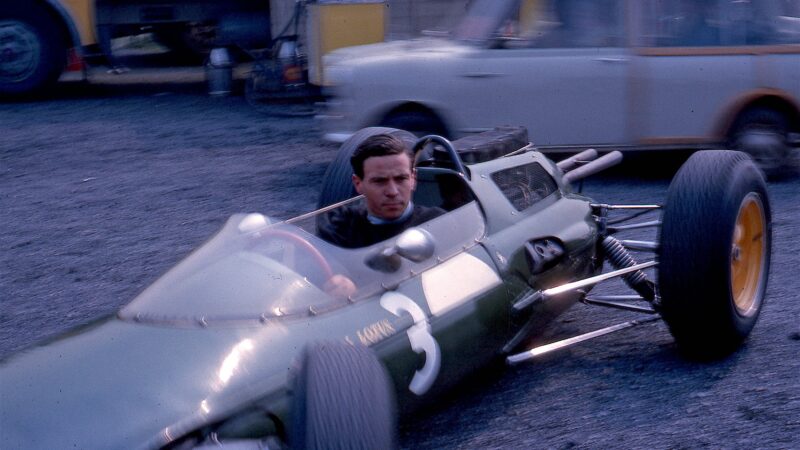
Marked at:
<point>419,335</point>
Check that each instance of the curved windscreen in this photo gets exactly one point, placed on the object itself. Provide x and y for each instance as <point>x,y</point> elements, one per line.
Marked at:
<point>255,268</point>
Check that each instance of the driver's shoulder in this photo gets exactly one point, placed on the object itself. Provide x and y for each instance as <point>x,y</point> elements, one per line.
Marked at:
<point>425,213</point>
<point>339,225</point>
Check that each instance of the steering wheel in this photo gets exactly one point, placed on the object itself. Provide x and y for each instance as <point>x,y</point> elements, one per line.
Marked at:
<point>305,246</point>
<point>458,165</point>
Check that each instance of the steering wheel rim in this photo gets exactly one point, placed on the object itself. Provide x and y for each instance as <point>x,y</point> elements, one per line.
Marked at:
<point>448,146</point>
<point>308,247</point>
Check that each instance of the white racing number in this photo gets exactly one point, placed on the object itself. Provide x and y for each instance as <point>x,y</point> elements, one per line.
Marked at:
<point>419,335</point>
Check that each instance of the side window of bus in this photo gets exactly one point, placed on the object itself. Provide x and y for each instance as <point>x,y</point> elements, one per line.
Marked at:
<point>708,23</point>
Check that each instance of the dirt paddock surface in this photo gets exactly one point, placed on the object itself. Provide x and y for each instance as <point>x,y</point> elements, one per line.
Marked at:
<point>103,188</point>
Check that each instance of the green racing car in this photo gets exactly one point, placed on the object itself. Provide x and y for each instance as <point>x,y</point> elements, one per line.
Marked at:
<point>241,345</point>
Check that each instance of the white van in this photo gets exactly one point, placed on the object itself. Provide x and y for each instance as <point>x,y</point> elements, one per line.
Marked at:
<point>623,74</point>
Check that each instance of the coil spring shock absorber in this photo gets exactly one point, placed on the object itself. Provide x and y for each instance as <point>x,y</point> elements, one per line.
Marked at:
<point>620,258</point>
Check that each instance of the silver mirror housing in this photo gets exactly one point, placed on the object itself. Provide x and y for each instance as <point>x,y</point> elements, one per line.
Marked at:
<point>415,244</point>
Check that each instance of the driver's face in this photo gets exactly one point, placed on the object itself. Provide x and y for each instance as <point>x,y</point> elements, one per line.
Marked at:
<point>387,185</point>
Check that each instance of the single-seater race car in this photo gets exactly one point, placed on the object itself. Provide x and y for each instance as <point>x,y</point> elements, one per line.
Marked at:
<point>244,345</point>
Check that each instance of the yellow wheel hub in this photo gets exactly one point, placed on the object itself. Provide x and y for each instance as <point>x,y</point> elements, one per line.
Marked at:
<point>748,254</point>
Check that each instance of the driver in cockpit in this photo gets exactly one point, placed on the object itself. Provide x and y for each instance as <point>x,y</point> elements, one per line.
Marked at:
<point>383,171</point>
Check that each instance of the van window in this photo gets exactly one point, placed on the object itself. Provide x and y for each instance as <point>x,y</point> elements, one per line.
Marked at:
<point>574,23</point>
<point>543,23</point>
<point>709,23</point>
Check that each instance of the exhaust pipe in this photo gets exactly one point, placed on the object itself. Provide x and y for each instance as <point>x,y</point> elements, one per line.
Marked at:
<point>599,164</point>
<point>575,160</point>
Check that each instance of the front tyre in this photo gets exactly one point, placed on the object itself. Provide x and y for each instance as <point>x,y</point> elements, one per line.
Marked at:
<point>342,399</point>
<point>32,52</point>
<point>715,252</point>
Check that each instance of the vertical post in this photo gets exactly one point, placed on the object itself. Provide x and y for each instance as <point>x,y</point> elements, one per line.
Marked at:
<point>219,72</point>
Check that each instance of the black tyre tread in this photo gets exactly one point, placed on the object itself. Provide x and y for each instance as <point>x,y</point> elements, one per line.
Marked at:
<point>418,122</point>
<point>337,184</point>
<point>698,220</point>
<point>761,117</point>
<point>54,51</point>
<point>491,144</point>
<point>345,400</point>
<point>765,119</point>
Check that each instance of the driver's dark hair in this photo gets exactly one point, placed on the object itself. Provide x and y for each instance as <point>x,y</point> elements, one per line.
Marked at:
<point>378,145</point>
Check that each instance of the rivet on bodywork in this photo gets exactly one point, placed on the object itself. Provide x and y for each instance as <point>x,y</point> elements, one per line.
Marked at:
<point>389,287</point>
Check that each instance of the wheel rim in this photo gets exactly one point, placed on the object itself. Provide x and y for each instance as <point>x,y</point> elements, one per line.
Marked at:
<point>19,51</point>
<point>748,254</point>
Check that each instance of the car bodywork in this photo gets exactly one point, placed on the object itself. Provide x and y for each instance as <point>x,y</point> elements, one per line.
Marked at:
<point>218,334</point>
<point>209,353</point>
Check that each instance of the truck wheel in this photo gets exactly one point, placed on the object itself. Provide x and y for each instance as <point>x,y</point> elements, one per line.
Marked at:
<point>715,252</point>
<point>337,184</point>
<point>764,134</point>
<point>420,123</point>
<point>342,398</point>
<point>32,53</point>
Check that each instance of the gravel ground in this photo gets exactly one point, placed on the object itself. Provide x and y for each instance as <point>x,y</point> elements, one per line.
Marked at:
<point>105,187</point>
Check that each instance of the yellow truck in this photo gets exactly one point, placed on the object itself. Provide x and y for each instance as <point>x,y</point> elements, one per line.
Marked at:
<point>41,39</point>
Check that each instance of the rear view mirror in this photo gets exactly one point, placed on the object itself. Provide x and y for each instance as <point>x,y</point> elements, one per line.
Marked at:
<point>414,244</point>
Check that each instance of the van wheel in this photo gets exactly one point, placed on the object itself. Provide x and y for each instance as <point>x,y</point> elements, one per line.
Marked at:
<point>33,53</point>
<point>715,252</point>
<point>337,183</point>
<point>420,123</point>
<point>764,134</point>
<point>342,399</point>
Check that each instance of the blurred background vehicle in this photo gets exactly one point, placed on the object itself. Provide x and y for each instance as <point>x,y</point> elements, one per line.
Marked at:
<point>41,40</point>
<point>622,74</point>
<point>277,44</point>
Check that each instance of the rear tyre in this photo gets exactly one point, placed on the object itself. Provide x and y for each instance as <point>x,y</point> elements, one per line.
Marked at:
<point>342,399</point>
<point>715,252</point>
<point>420,123</point>
<point>32,52</point>
<point>337,184</point>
